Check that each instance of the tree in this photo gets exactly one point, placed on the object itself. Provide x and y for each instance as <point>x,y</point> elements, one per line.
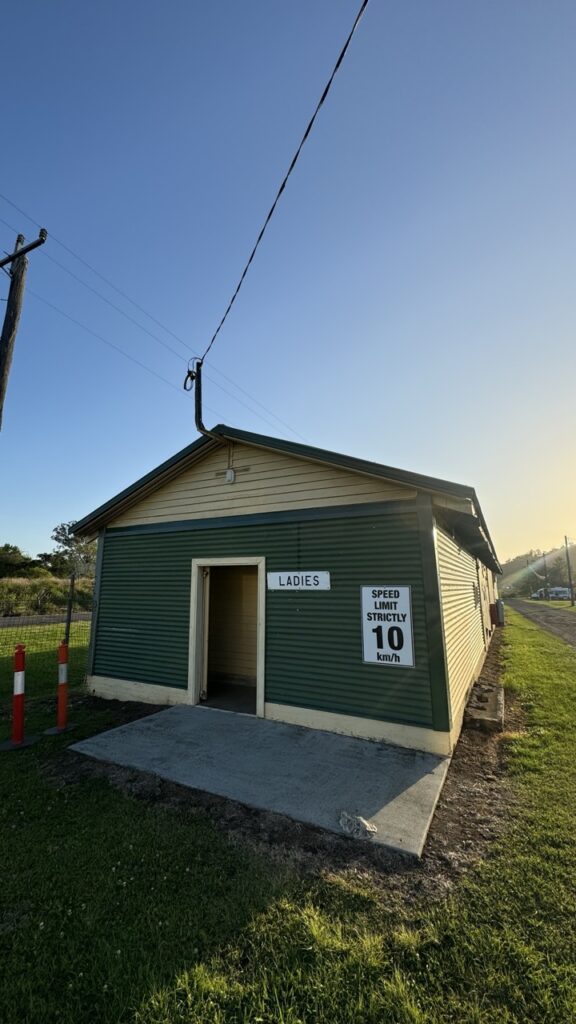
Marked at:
<point>76,553</point>
<point>13,561</point>
<point>558,573</point>
<point>55,562</point>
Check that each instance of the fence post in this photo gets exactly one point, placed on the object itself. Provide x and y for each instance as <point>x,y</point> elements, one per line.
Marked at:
<point>69,608</point>
<point>62,724</point>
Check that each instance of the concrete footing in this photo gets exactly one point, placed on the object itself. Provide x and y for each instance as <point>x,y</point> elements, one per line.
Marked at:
<point>485,708</point>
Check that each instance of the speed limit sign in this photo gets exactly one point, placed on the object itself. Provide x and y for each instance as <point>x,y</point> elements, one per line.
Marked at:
<point>387,625</point>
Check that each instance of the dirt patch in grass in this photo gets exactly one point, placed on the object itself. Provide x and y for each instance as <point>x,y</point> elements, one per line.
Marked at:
<point>80,703</point>
<point>474,809</point>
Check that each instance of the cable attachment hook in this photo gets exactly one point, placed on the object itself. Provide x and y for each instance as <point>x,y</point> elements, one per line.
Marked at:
<point>192,374</point>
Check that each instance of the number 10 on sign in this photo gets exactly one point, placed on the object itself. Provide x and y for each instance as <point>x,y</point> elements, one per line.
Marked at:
<point>387,625</point>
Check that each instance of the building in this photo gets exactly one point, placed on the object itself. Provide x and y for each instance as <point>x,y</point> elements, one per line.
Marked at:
<point>259,575</point>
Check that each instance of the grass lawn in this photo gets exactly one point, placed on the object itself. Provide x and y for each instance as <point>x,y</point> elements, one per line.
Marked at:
<point>41,643</point>
<point>118,910</point>
<point>564,606</point>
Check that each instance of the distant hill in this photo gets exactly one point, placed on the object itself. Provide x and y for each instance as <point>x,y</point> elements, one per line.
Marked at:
<point>526,573</point>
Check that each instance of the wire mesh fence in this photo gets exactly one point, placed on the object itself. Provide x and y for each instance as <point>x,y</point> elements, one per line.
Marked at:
<point>41,635</point>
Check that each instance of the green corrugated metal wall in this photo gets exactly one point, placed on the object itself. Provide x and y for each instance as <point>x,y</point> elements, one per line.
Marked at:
<point>462,616</point>
<point>313,639</point>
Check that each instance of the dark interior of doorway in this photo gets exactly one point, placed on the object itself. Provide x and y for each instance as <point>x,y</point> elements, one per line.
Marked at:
<point>232,638</point>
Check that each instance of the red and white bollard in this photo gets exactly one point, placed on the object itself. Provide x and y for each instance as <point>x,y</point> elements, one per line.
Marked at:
<point>62,723</point>
<point>18,696</point>
<point>17,739</point>
<point>62,707</point>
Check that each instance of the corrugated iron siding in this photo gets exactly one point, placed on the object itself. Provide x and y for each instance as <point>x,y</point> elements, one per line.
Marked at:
<point>462,616</point>
<point>492,587</point>
<point>313,639</point>
<point>484,577</point>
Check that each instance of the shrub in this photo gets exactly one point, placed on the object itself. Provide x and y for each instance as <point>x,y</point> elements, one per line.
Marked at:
<point>11,596</point>
<point>84,593</point>
<point>42,595</point>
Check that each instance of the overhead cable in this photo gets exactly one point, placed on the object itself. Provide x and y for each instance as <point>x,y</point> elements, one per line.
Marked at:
<point>169,348</point>
<point>141,326</point>
<point>286,176</point>
<point>93,269</point>
<point>117,308</point>
<point>106,341</point>
<point>143,366</point>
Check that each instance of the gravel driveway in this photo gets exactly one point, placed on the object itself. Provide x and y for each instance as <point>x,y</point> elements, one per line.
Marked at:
<point>560,621</point>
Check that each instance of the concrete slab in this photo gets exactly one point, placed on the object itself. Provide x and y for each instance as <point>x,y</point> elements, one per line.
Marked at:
<point>309,775</point>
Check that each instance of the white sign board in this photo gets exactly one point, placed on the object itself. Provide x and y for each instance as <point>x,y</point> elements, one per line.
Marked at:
<point>301,579</point>
<point>387,625</point>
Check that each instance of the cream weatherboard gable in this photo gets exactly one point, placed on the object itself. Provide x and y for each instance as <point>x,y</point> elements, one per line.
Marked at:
<point>264,481</point>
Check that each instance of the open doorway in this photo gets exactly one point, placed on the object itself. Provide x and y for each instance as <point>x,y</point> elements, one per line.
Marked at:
<point>227,634</point>
<point>232,638</point>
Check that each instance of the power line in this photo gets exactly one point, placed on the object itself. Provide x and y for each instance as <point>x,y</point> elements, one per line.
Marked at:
<point>144,329</point>
<point>95,290</point>
<point>151,335</point>
<point>84,327</point>
<point>262,230</point>
<point>93,269</point>
<point>287,175</point>
<point>114,306</point>
<point>246,406</point>
<point>7,225</point>
<point>165,344</point>
<point>255,400</point>
<point>106,341</point>
<point>111,344</point>
<point>173,350</point>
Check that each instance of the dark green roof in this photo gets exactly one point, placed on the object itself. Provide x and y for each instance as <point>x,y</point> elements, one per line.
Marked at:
<point>203,445</point>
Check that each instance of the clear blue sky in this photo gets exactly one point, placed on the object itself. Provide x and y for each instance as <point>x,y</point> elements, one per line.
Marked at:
<point>413,300</point>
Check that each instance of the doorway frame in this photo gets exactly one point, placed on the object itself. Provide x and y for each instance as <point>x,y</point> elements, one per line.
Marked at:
<point>198,640</point>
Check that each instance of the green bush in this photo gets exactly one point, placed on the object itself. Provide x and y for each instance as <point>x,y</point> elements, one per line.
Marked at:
<point>42,595</point>
<point>84,592</point>
<point>11,598</point>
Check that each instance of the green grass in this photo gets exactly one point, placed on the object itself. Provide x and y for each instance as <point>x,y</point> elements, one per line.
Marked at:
<point>41,643</point>
<point>562,605</point>
<point>115,910</point>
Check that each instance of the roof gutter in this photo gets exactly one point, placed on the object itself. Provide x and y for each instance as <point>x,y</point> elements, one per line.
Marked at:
<point>485,531</point>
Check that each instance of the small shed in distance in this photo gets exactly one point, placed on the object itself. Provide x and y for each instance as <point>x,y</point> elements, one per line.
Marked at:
<point>268,577</point>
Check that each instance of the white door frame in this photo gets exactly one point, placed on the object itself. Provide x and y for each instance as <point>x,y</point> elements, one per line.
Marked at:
<point>198,646</point>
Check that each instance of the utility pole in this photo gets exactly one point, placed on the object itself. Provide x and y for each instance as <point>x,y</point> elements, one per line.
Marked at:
<point>547,589</point>
<point>570,583</point>
<point>19,266</point>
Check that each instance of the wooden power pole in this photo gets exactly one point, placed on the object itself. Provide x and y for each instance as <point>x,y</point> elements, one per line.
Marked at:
<point>19,266</point>
<point>570,581</point>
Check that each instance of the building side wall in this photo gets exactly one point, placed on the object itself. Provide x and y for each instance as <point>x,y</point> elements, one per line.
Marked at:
<point>462,616</point>
<point>266,481</point>
<point>487,598</point>
<point>313,638</point>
